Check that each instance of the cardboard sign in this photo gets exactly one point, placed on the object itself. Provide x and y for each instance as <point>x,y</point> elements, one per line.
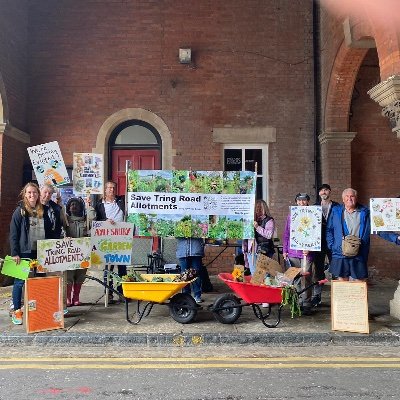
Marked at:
<point>264,265</point>
<point>291,273</point>
<point>44,308</point>
<point>48,164</point>
<point>349,306</point>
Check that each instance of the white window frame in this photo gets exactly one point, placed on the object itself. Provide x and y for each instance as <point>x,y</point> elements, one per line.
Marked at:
<point>264,156</point>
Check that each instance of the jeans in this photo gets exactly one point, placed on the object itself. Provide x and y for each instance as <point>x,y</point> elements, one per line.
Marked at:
<point>121,272</point>
<point>195,263</point>
<point>17,293</point>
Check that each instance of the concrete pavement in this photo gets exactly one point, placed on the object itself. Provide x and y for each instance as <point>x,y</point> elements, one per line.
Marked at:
<point>96,325</point>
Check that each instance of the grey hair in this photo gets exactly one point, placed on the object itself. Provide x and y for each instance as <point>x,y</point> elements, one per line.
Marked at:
<point>349,190</point>
<point>48,186</point>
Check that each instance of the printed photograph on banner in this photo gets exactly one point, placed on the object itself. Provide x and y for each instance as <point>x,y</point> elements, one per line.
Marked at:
<point>64,254</point>
<point>217,227</point>
<point>87,173</point>
<point>234,227</point>
<point>305,228</point>
<point>231,182</point>
<point>48,164</point>
<point>180,181</point>
<point>385,214</point>
<point>111,243</point>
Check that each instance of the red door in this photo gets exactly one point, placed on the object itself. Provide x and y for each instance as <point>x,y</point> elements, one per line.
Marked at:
<point>140,159</point>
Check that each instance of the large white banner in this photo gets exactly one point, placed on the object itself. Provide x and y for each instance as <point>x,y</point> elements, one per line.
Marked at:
<point>305,228</point>
<point>48,164</point>
<point>111,243</point>
<point>385,214</point>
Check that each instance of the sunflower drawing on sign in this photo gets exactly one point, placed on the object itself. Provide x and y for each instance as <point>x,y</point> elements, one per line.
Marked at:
<point>305,228</point>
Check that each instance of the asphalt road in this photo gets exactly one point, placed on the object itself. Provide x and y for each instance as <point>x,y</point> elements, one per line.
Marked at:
<point>219,373</point>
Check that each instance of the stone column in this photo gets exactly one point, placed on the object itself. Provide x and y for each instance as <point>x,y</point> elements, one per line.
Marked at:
<point>336,159</point>
<point>387,95</point>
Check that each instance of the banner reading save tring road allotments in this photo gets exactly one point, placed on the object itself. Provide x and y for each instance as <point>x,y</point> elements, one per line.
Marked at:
<point>203,204</point>
<point>63,254</point>
<point>305,228</point>
<point>111,243</point>
<point>385,214</point>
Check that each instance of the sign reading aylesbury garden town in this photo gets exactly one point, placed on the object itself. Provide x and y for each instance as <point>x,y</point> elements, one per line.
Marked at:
<point>305,228</point>
<point>203,204</point>
<point>63,254</point>
<point>87,173</point>
<point>48,164</point>
<point>111,243</point>
<point>385,214</point>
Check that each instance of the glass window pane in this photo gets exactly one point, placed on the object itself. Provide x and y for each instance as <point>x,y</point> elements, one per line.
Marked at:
<point>233,159</point>
<point>253,156</point>
<point>136,134</point>
<point>259,189</point>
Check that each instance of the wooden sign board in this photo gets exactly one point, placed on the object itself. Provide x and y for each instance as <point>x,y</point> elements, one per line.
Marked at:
<point>349,306</point>
<point>44,304</point>
<point>264,265</point>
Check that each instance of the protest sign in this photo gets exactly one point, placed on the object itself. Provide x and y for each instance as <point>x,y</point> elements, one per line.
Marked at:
<point>48,164</point>
<point>64,254</point>
<point>207,204</point>
<point>349,306</point>
<point>87,173</point>
<point>305,228</point>
<point>385,214</point>
<point>111,243</point>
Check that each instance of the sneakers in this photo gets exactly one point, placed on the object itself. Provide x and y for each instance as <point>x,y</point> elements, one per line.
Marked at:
<point>198,301</point>
<point>16,317</point>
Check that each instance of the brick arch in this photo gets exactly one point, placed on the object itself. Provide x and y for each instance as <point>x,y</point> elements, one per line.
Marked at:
<point>343,76</point>
<point>140,114</point>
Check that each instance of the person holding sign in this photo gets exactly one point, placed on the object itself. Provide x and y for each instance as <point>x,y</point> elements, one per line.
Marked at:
<point>29,223</point>
<point>347,235</point>
<point>77,226</point>
<point>111,208</point>
<point>53,211</point>
<point>299,258</point>
<point>264,228</point>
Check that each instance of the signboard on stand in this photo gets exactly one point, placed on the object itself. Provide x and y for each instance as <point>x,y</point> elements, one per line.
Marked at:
<point>349,306</point>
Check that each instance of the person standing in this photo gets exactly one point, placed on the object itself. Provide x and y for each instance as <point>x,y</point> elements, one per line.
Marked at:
<point>297,258</point>
<point>350,218</point>
<point>77,225</point>
<point>111,208</point>
<point>53,211</point>
<point>264,228</point>
<point>324,200</point>
<point>190,252</point>
<point>29,223</point>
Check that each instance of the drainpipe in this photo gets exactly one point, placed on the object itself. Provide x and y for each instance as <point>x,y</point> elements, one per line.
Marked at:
<point>317,94</point>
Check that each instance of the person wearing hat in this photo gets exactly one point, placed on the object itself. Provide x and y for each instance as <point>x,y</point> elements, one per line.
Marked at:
<point>294,258</point>
<point>324,193</point>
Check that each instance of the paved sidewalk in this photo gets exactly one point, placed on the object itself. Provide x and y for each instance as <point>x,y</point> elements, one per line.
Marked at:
<point>93,324</point>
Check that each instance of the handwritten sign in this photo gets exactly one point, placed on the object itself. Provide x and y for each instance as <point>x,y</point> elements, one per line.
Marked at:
<point>64,254</point>
<point>349,306</point>
<point>385,214</point>
<point>111,243</point>
<point>305,228</point>
<point>87,173</point>
<point>204,204</point>
<point>48,164</point>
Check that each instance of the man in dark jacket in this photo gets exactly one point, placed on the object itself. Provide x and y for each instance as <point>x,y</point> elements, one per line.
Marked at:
<point>324,200</point>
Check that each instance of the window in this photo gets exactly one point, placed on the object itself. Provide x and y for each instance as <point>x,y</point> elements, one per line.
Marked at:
<point>244,158</point>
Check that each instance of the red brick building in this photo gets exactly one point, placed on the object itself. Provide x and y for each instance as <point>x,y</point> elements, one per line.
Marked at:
<point>281,82</point>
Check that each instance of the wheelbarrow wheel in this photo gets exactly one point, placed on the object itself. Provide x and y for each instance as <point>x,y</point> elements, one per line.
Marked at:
<point>227,308</point>
<point>183,308</point>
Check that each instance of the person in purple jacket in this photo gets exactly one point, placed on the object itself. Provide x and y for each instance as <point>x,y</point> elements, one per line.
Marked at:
<point>295,258</point>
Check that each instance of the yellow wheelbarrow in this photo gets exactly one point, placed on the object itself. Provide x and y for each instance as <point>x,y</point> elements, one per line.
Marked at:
<point>182,307</point>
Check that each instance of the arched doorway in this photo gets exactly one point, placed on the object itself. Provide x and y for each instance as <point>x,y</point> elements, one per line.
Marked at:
<point>137,142</point>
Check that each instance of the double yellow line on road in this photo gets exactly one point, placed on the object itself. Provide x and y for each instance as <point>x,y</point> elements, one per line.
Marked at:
<point>199,362</point>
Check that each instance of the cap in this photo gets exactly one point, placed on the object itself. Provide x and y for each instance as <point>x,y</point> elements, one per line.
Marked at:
<point>324,186</point>
<point>302,196</point>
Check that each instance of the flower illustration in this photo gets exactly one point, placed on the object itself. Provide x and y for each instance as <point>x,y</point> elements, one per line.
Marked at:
<point>95,258</point>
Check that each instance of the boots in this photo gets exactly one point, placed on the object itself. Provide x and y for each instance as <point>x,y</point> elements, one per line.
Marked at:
<point>69,293</point>
<point>75,297</point>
